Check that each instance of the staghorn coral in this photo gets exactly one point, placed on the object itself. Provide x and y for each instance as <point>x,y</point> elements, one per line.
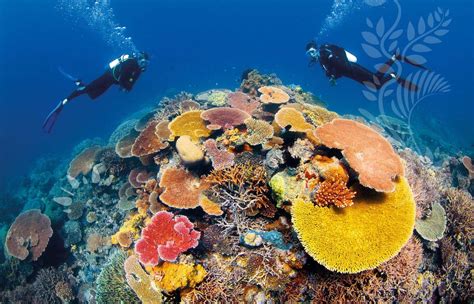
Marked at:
<point>111,284</point>
<point>83,162</point>
<point>148,142</point>
<point>367,234</point>
<point>333,191</point>
<point>165,237</point>
<point>224,118</point>
<point>28,235</point>
<point>140,282</point>
<point>188,151</point>
<point>273,95</point>
<point>366,151</point>
<point>432,228</point>
<point>221,159</point>
<point>244,102</point>
<point>258,131</point>
<point>182,189</point>
<point>177,276</point>
<point>189,123</point>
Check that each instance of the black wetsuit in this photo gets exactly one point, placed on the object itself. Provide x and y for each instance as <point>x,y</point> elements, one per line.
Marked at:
<point>334,61</point>
<point>125,74</point>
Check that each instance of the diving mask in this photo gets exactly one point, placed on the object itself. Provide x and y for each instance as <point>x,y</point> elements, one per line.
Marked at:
<point>313,53</point>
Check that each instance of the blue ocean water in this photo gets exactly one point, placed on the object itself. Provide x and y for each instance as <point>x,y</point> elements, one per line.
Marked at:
<point>197,45</point>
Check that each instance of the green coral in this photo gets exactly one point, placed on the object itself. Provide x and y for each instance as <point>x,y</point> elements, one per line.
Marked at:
<point>286,188</point>
<point>432,228</point>
<point>111,284</point>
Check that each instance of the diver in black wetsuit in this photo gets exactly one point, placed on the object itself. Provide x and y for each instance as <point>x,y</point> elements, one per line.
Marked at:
<point>123,71</point>
<point>337,62</point>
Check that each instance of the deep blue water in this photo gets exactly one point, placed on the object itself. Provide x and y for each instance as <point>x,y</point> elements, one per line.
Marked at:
<point>197,45</point>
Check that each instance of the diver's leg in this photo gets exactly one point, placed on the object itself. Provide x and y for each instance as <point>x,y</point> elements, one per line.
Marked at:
<point>364,76</point>
<point>100,85</point>
<point>384,68</point>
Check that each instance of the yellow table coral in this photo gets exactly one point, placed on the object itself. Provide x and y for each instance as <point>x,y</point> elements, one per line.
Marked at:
<point>360,237</point>
<point>189,123</point>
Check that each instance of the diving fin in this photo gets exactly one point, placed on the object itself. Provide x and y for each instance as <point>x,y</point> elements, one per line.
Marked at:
<point>53,116</point>
<point>410,61</point>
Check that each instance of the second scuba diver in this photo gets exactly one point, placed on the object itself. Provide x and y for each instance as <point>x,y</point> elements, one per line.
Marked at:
<point>337,62</point>
<point>123,71</point>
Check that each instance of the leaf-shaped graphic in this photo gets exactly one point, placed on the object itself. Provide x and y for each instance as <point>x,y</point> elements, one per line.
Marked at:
<point>417,58</point>
<point>410,31</point>
<point>370,86</point>
<point>370,38</point>
<point>380,29</point>
<point>396,34</point>
<point>437,17</point>
<point>431,40</point>
<point>392,46</point>
<point>447,13</point>
<point>430,20</point>
<point>369,96</point>
<point>440,10</point>
<point>387,93</point>
<point>369,23</point>
<point>421,26</point>
<point>447,22</point>
<point>367,114</point>
<point>441,32</point>
<point>421,48</point>
<point>371,51</point>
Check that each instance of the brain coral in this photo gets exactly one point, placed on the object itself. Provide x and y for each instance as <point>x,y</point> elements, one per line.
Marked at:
<point>29,235</point>
<point>360,237</point>
<point>366,151</point>
<point>165,238</point>
<point>83,162</point>
<point>189,123</point>
<point>224,117</point>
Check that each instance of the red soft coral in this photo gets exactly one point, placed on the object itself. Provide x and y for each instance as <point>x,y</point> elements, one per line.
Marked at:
<point>165,238</point>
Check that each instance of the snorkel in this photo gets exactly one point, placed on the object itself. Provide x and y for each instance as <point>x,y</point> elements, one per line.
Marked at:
<point>312,51</point>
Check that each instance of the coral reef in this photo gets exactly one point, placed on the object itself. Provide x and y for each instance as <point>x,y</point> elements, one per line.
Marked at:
<point>432,228</point>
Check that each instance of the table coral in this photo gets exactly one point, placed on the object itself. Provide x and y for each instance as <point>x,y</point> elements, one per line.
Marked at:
<point>189,123</point>
<point>244,102</point>
<point>148,142</point>
<point>293,118</point>
<point>361,237</point>
<point>176,276</point>
<point>220,158</point>
<point>273,95</point>
<point>165,238</point>
<point>258,131</point>
<point>123,147</point>
<point>28,235</point>
<point>467,162</point>
<point>224,117</point>
<point>83,162</point>
<point>182,189</point>
<point>366,151</point>
<point>432,228</point>
<point>140,282</point>
<point>209,206</point>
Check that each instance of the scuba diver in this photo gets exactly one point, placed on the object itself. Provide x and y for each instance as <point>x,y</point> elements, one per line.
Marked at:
<point>123,71</point>
<point>337,62</point>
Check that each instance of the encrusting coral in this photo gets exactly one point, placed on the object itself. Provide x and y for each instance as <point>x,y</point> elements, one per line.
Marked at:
<point>366,151</point>
<point>176,276</point>
<point>370,232</point>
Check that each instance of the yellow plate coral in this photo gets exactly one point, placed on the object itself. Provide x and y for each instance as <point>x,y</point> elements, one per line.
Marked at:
<point>360,237</point>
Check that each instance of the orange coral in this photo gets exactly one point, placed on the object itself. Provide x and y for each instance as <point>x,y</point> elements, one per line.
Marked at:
<point>330,168</point>
<point>182,189</point>
<point>291,117</point>
<point>209,206</point>
<point>273,95</point>
<point>83,162</point>
<point>333,191</point>
<point>148,142</point>
<point>467,162</point>
<point>366,151</point>
<point>189,123</point>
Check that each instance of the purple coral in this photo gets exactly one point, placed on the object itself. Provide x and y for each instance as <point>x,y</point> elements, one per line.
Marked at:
<point>243,102</point>
<point>221,159</point>
<point>29,235</point>
<point>224,117</point>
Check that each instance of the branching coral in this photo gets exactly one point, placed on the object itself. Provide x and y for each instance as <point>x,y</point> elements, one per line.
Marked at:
<point>224,118</point>
<point>258,131</point>
<point>182,189</point>
<point>140,282</point>
<point>366,151</point>
<point>29,235</point>
<point>367,234</point>
<point>165,238</point>
<point>189,123</point>
<point>148,142</point>
<point>333,191</point>
<point>83,162</point>
<point>460,213</point>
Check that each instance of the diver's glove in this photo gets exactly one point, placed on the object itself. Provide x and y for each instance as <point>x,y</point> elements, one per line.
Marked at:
<point>53,116</point>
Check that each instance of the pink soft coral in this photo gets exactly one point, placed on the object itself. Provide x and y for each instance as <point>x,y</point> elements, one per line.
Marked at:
<point>165,238</point>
